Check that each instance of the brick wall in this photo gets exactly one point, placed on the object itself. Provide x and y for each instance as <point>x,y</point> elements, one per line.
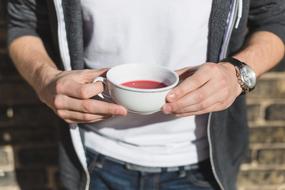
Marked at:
<point>265,166</point>
<point>28,133</point>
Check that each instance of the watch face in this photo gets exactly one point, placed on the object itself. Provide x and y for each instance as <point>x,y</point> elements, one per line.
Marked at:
<point>248,76</point>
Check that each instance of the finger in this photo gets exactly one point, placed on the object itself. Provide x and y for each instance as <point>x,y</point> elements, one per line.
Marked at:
<point>88,75</point>
<point>199,106</point>
<point>191,83</point>
<point>186,72</point>
<point>78,90</point>
<point>213,108</point>
<point>80,121</point>
<point>91,106</point>
<point>196,100</point>
<point>78,116</point>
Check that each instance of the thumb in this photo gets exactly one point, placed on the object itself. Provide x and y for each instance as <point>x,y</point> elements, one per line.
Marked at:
<point>88,76</point>
<point>90,87</point>
<point>84,87</point>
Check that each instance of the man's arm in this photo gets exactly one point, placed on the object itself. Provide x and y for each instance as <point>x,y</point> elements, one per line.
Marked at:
<point>214,87</point>
<point>266,26</point>
<point>68,93</point>
<point>32,61</point>
<point>262,51</point>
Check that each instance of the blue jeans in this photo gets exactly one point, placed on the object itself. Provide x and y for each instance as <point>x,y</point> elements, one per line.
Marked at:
<point>109,175</point>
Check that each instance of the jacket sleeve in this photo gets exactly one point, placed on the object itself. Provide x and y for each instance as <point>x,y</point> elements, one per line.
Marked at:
<point>267,15</point>
<point>26,18</point>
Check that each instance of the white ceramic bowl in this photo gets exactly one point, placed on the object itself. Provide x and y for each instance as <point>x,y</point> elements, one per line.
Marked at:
<point>141,101</point>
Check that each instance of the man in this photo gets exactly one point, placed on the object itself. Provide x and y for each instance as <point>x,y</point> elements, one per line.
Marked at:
<point>200,137</point>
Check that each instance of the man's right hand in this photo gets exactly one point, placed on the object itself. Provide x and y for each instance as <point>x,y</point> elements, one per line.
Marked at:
<point>69,93</point>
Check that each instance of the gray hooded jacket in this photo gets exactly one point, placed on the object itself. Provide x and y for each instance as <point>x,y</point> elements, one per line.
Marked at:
<point>59,24</point>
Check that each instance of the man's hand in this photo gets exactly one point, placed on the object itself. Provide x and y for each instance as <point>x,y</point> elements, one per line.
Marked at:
<point>207,88</point>
<point>69,93</point>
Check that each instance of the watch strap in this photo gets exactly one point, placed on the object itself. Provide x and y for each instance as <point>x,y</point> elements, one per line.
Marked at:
<point>244,88</point>
<point>234,61</point>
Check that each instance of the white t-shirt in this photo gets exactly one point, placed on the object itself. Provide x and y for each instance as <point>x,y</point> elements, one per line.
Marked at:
<point>172,33</point>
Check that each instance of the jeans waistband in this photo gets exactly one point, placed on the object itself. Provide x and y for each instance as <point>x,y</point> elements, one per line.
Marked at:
<point>146,169</point>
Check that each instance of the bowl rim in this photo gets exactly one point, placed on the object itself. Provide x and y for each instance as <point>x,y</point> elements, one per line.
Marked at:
<point>168,87</point>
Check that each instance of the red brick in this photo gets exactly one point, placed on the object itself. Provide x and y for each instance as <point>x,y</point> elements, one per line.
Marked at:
<point>269,88</point>
<point>271,156</point>
<point>262,177</point>
<point>275,112</point>
<point>268,134</point>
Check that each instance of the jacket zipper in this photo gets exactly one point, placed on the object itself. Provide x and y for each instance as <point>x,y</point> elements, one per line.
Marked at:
<point>64,53</point>
<point>233,20</point>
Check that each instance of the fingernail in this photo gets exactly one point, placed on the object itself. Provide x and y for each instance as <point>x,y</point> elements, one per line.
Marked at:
<point>171,97</point>
<point>166,109</point>
<point>123,111</point>
<point>118,111</point>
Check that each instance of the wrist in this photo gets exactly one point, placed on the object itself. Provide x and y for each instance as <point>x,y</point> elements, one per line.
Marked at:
<point>44,75</point>
<point>245,75</point>
<point>233,72</point>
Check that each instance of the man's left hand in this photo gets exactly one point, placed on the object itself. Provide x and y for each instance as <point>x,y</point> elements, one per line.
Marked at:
<point>208,88</point>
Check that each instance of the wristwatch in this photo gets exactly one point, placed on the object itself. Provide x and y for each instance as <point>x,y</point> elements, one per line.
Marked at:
<point>245,74</point>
